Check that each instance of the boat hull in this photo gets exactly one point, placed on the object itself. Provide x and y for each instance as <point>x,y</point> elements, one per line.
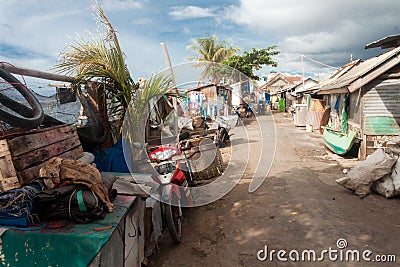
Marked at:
<point>339,143</point>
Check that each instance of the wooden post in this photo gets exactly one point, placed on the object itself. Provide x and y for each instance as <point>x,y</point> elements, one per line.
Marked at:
<point>36,73</point>
<point>363,148</point>
<point>174,103</point>
<point>96,95</point>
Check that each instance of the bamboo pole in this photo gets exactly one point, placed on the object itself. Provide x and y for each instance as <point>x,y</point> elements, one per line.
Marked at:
<point>36,73</point>
<point>174,102</point>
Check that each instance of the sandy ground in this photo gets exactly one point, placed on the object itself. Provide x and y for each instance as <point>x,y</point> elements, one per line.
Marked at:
<point>298,207</point>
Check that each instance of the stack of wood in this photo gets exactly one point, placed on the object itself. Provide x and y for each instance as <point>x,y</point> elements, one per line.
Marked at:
<point>22,155</point>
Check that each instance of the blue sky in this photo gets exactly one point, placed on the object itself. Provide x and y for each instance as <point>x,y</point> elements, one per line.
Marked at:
<point>35,31</point>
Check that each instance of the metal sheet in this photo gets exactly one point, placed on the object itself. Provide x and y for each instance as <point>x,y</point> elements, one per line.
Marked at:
<point>381,109</point>
<point>360,72</point>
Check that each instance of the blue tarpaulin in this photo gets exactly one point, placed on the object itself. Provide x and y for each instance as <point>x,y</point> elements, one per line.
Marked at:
<point>111,159</point>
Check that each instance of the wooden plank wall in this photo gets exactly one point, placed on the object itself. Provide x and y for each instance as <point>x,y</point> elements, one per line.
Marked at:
<point>8,175</point>
<point>32,150</point>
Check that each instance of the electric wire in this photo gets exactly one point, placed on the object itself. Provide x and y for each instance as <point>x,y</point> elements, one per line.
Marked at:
<point>316,61</point>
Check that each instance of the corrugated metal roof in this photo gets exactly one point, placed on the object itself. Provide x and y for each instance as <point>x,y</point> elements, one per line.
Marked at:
<point>335,75</point>
<point>289,80</point>
<point>278,77</point>
<point>307,86</point>
<point>294,79</point>
<point>360,71</point>
<point>198,88</point>
<point>386,42</point>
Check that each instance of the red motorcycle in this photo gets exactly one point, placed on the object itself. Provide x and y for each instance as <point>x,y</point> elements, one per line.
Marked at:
<point>175,179</point>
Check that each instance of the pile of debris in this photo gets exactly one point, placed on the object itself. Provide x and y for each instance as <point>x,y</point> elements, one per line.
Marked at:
<point>380,172</point>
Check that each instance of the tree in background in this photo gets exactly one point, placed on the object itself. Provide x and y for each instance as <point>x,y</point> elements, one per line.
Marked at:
<point>251,61</point>
<point>210,53</point>
<point>210,50</point>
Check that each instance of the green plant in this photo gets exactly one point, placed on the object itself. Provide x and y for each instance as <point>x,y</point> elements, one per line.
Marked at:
<point>100,58</point>
<point>137,114</point>
<point>209,53</point>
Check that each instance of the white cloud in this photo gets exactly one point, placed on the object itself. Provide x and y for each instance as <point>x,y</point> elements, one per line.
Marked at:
<point>328,31</point>
<point>39,31</point>
<point>142,21</point>
<point>119,5</point>
<point>190,12</point>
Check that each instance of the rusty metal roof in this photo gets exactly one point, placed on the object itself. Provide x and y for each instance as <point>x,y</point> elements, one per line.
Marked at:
<point>362,73</point>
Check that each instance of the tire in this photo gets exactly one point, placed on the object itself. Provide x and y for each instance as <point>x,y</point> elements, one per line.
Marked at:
<point>173,218</point>
<point>17,121</point>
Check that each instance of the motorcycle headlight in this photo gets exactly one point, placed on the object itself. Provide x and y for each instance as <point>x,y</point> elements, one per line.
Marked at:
<point>164,155</point>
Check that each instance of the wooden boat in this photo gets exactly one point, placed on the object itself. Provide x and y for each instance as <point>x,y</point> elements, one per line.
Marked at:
<point>337,142</point>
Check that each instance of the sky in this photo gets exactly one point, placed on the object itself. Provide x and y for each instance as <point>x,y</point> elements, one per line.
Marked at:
<point>34,32</point>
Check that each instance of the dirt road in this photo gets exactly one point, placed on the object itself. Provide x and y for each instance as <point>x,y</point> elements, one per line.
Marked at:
<point>298,208</point>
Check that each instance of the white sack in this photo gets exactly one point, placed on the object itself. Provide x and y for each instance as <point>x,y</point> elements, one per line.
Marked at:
<point>384,186</point>
<point>396,178</point>
<point>185,123</point>
<point>361,177</point>
<point>393,146</point>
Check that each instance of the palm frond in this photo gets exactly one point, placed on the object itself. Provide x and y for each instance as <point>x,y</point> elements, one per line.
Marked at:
<point>211,51</point>
<point>136,116</point>
<point>99,57</point>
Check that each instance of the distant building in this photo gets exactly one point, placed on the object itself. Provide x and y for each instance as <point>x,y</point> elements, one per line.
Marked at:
<point>276,83</point>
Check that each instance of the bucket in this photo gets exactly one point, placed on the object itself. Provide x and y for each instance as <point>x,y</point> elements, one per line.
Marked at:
<point>309,128</point>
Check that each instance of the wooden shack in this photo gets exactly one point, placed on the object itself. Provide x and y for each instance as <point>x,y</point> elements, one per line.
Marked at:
<point>209,101</point>
<point>372,88</point>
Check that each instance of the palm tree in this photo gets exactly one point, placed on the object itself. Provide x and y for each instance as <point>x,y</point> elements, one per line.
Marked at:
<point>210,52</point>
<point>100,58</point>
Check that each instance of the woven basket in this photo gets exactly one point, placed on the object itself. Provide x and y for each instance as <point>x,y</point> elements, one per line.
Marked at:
<point>205,160</point>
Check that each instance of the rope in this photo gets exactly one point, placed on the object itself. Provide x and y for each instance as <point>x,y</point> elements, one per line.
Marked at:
<point>17,203</point>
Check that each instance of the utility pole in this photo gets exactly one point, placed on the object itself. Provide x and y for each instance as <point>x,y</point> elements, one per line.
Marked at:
<point>302,66</point>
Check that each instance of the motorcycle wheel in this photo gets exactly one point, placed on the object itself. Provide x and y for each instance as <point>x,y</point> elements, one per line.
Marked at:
<point>173,218</point>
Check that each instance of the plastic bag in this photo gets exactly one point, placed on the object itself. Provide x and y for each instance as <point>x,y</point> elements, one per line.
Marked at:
<point>70,202</point>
